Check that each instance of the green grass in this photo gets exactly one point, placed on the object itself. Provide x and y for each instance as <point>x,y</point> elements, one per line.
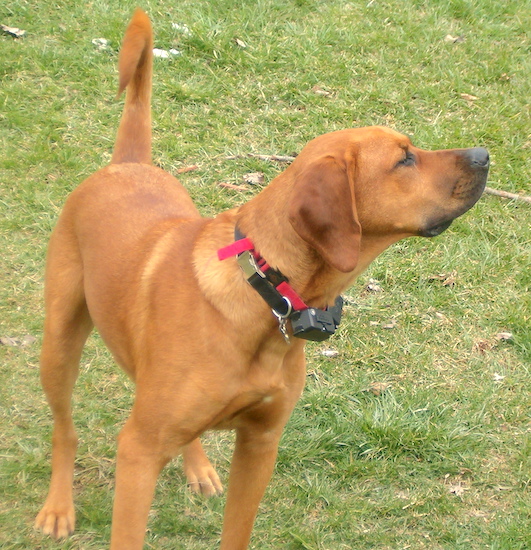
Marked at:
<point>413,437</point>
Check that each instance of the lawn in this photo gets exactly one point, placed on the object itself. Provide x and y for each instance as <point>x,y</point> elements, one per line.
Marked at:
<point>414,430</point>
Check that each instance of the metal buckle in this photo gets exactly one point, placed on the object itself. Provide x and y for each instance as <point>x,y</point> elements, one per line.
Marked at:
<point>248,265</point>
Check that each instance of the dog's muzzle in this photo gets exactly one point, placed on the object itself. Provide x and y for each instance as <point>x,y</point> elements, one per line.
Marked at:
<point>474,165</point>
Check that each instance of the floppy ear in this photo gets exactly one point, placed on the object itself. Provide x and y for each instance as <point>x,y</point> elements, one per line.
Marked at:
<point>323,212</point>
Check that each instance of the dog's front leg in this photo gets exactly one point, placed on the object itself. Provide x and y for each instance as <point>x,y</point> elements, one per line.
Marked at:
<point>258,433</point>
<point>139,462</point>
<point>252,465</point>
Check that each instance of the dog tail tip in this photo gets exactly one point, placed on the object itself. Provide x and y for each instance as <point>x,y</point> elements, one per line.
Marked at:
<point>133,142</point>
<point>137,39</point>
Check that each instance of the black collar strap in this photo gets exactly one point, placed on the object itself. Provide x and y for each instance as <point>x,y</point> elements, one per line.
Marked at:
<point>270,283</point>
<point>274,288</point>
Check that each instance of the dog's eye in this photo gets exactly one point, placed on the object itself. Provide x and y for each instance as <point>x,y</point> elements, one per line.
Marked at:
<point>408,160</point>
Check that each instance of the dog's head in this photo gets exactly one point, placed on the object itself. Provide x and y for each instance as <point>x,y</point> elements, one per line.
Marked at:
<point>372,183</point>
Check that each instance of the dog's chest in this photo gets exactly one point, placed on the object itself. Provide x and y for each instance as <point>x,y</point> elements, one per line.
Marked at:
<point>263,389</point>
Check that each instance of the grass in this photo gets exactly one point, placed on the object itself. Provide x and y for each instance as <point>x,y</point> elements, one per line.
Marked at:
<point>417,436</point>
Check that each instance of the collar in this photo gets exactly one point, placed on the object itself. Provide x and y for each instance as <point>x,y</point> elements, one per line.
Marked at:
<point>270,283</point>
<point>307,323</point>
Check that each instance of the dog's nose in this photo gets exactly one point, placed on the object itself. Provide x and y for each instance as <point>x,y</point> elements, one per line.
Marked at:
<point>478,157</point>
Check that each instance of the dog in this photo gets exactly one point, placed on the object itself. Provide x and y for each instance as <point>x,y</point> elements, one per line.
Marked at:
<point>209,317</point>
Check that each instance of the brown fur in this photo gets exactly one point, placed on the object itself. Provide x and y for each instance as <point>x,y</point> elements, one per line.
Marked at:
<point>132,256</point>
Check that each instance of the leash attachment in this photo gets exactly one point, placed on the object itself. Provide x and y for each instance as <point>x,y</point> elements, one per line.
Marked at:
<point>286,305</point>
<point>256,277</point>
<point>280,305</point>
<point>282,326</point>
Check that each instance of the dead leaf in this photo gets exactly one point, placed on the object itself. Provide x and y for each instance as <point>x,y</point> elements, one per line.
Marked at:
<point>481,514</point>
<point>254,178</point>
<point>454,39</point>
<point>24,341</point>
<point>390,325</point>
<point>447,279</point>
<point>458,490</point>
<point>469,97</point>
<point>321,91</point>
<point>373,286</point>
<point>101,43</point>
<point>481,346</point>
<point>451,279</point>
<point>240,43</point>
<point>377,388</point>
<point>13,31</point>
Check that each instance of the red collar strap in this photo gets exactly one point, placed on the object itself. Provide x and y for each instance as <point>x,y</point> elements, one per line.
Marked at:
<point>285,303</point>
<point>270,283</point>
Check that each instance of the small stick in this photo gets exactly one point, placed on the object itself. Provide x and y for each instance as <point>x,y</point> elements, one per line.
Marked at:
<point>186,169</point>
<point>278,158</point>
<point>507,195</point>
<point>232,186</point>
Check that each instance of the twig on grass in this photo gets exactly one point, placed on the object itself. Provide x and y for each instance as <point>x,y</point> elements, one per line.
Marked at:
<point>186,169</point>
<point>232,186</point>
<point>507,195</point>
<point>277,158</point>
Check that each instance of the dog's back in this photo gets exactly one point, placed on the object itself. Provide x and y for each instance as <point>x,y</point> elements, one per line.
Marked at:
<point>114,219</point>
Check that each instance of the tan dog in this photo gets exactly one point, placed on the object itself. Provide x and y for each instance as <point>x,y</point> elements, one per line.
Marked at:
<point>132,256</point>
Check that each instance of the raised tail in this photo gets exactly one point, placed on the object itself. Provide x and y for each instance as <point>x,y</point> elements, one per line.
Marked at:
<point>133,141</point>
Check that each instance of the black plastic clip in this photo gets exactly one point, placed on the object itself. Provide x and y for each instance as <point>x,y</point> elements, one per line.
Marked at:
<point>317,324</point>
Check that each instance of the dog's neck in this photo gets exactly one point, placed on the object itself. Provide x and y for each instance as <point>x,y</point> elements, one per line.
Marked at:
<point>263,220</point>
<point>265,217</point>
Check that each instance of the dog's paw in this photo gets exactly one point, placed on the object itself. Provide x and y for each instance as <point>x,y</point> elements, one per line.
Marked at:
<point>58,521</point>
<point>204,480</point>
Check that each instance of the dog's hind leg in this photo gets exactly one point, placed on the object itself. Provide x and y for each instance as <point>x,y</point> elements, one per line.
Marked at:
<point>66,329</point>
<point>201,475</point>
